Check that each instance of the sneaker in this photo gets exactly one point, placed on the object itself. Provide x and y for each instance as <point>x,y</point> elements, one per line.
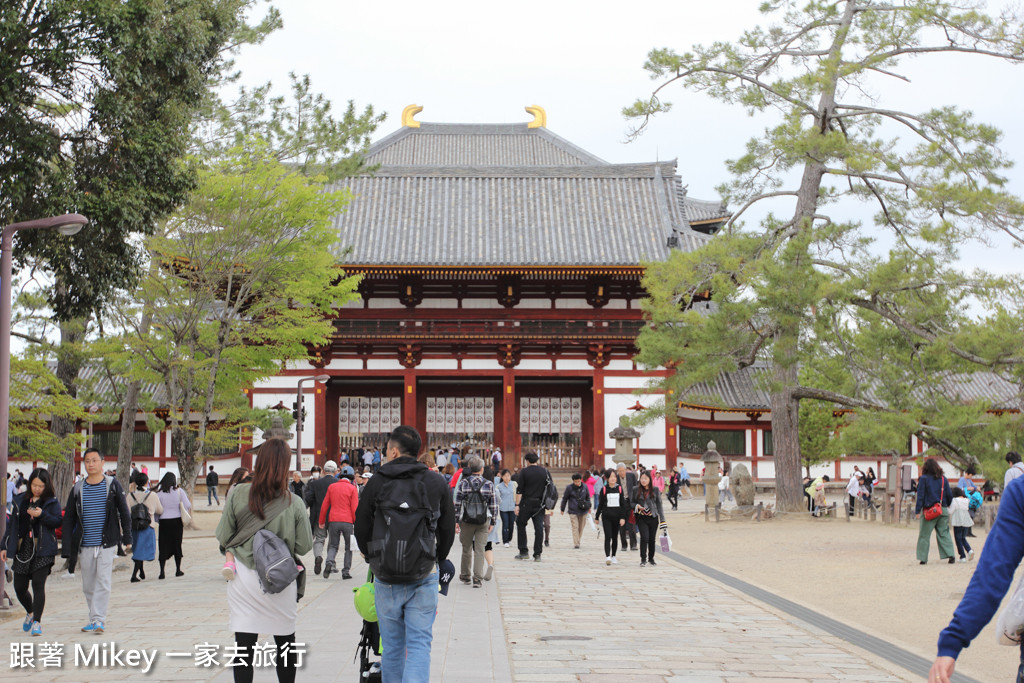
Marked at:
<point>962,559</point>
<point>643,563</point>
<point>506,545</point>
<point>547,544</point>
<point>615,560</point>
<point>477,583</point>
<point>37,629</point>
<point>970,554</point>
<point>575,547</point>
<point>523,556</point>
<point>228,571</point>
<point>27,626</point>
<point>318,566</point>
<point>536,558</point>
<point>652,562</point>
<point>345,574</point>
<point>328,568</point>
<point>94,627</point>
<point>489,573</point>
<point>608,560</point>
<point>952,560</point>
<point>464,579</point>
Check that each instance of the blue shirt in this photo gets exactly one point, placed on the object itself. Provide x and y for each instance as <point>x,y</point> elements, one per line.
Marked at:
<point>1004,548</point>
<point>683,474</point>
<point>94,513</point>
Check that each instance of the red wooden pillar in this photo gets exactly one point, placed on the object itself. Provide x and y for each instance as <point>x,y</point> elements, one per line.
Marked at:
<point>510,421</point>
<point>598,419</point>
<point>319,424</point>
<point>409,400</point>
<point>671,445</point>
<point>755,451</point>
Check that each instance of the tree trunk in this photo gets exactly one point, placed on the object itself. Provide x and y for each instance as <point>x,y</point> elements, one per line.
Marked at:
<point>789,495</point>
<point>188,464</point>
<point>69,362</point>
<point>131,406</point>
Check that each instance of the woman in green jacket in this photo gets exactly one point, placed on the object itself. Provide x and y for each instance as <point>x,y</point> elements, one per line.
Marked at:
<point>250,610</point>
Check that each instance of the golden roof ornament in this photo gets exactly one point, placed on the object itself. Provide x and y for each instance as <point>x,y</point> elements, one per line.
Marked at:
<point>407,116</point>
<point>540,117</point>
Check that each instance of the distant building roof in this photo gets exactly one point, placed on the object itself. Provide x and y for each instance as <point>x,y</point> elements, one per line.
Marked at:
<point>744,390</point>
<point>489,144</point>
<point>510,194</point>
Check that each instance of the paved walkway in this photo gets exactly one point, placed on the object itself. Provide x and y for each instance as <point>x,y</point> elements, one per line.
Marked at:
<point>568,618</point>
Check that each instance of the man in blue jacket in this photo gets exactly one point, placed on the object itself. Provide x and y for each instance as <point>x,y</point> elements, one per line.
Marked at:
<point>1003,551</point>
<point>96,517</point>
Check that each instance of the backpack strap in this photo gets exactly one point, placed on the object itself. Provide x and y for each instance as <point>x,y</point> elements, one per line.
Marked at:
<point>247,524</point>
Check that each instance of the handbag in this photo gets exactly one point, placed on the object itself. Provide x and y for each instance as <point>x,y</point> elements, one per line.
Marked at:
<point>1010,624</point>
<point>933,511</point>
<point>186,518</point>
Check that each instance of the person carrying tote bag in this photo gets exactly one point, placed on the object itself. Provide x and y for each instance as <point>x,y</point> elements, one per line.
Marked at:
<point>171,524</point>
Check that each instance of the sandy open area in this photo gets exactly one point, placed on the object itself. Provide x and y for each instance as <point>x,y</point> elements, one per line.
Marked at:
<point>862,573</point>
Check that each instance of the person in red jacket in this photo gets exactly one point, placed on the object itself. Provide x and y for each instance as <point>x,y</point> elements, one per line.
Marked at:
<point>338,513</point>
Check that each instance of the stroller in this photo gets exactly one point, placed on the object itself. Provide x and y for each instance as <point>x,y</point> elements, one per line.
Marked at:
<point>369,636</point>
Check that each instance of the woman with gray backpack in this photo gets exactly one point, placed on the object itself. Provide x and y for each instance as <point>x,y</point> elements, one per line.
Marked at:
<point>261,521</point>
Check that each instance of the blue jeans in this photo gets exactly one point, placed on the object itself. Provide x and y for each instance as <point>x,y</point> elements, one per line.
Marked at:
<point>405,615</point>
<point>211,494</point>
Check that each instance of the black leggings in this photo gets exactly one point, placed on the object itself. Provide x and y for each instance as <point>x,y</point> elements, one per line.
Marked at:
<point>648,527</point>
<point>610,524</point>
<point>35,601</point>
<point>285,662</point>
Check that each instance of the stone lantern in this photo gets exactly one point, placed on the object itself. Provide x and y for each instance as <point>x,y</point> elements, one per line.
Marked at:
<point>712,461</point>
<point>624,437</point>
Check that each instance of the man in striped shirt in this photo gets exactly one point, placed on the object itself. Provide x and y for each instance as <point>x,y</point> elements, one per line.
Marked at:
<point>95,518</point>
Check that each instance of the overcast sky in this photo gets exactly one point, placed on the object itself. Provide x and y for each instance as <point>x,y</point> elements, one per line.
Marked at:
<point>472,62</point>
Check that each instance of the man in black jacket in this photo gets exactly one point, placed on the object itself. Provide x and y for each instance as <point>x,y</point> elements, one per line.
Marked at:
<point>532,481</point>
<point>313,496</point>
<point>96,518</point>
<point>212,481</point>
<point>409,499</point>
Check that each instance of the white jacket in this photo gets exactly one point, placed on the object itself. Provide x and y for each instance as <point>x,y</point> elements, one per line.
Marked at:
<point>958,513</point>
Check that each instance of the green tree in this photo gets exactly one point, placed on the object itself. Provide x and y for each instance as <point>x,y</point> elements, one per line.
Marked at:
<point>95,113</point>
<point>245,281</point>
<point>935,179</point>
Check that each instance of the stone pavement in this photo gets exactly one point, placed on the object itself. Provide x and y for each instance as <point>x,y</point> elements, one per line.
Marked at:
<point>568,618</point>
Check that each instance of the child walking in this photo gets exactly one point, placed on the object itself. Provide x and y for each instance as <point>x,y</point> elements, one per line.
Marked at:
<point>960,518</point>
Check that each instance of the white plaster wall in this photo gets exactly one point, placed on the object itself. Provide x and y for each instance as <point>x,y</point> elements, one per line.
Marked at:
<point>616,365</point>
<point>345,364</point>
<point>439,364</point>
<point>354,303</point>
<point>482,303</point>
<point>632,382</point>
<point>385,303</point>
<point>534,364</point>
<point>748,439</point>
<point>652,435</point>
<point>616,304</point>
<point>384,364</point>
<point>481,364</point>
<point>439,303</point>
<point>535,304</point>
<point>652,460</point>
<point>765,469</point>
<point>572,364</point>
<point>571,303</point>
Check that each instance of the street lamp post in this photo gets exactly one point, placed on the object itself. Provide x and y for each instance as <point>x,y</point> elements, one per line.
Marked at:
<point>68,224</point>
<point>298,422</point>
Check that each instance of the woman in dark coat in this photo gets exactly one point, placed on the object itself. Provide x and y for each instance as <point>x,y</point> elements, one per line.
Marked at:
<point>31,539</point>
<point>932,488</point>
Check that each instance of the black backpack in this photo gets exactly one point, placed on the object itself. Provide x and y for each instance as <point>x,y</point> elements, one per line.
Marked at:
<point>140,514</point>
<point>403,547</point>
<point>550,493</point>
<point>474,507</point>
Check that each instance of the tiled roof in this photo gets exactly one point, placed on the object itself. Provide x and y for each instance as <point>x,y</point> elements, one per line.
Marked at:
<point>496,144</point>
<point>606,214</point>
<point>739,390</point>
<point>744,390</point>
<point>96,387</point>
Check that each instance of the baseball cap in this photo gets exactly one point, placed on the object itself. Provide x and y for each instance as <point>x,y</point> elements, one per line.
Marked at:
<point>445,576</point>
<point>330,466</point>
<point>347,471</point>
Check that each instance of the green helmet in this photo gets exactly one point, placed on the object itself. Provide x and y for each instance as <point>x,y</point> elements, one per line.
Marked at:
<point>364,602</point>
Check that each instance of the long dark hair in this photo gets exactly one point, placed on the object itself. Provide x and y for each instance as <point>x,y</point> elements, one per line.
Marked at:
<point>270,475</point>
<point>237,476</point>
<point>931,467</point>
<point>43,476</point>
<point>645,491</point>
<point>167,483</point>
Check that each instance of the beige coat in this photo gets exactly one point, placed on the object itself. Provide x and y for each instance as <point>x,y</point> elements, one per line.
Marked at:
<point>152,502</point>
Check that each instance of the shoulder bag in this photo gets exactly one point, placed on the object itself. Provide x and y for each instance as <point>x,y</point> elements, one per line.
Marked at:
<point>186,518</point>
